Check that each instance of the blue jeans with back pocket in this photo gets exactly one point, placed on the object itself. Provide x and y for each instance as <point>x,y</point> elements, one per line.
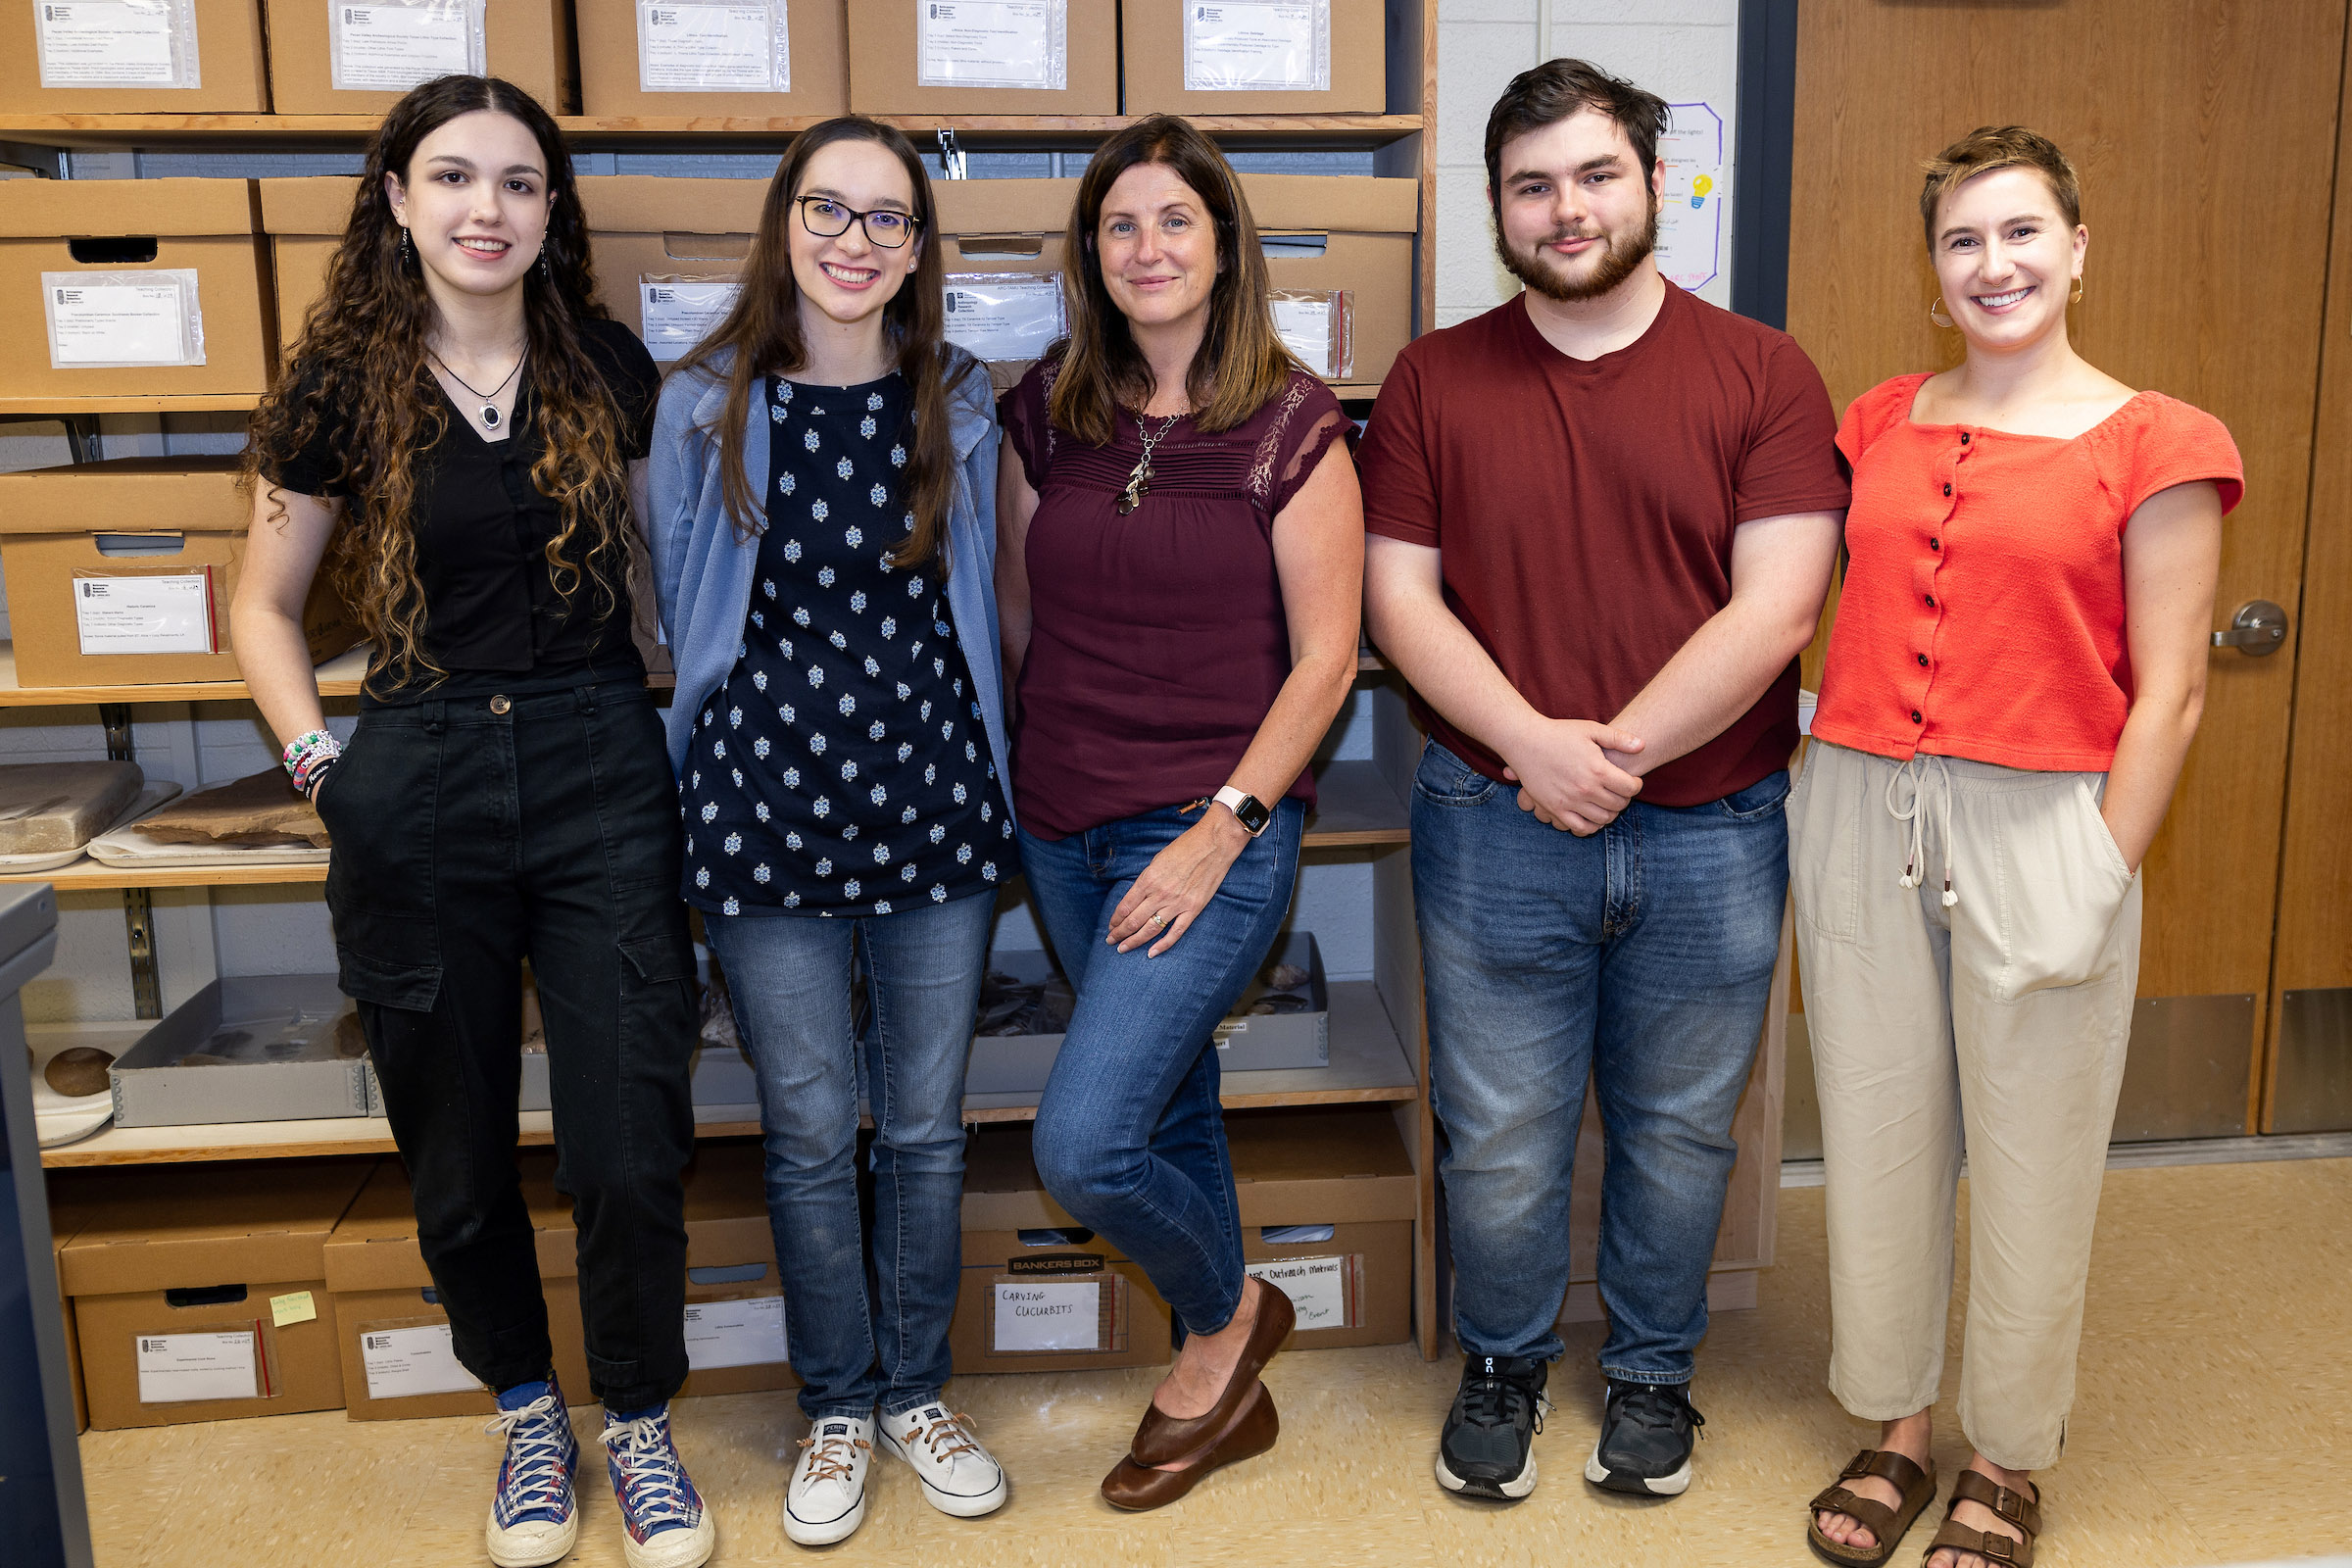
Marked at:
<point>1638,958</point>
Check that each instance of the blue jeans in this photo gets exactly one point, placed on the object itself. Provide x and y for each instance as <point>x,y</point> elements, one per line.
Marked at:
<point>1130,1138</point>
<point>789,979</point>
<point>1641,957</point>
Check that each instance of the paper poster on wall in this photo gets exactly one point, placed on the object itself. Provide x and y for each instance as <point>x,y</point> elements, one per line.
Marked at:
<point>393,45</point>
<point>1691,205</point>
<point>713,46</point>
<point>679,312</point>
<point>180,1368</point>
<point>116,43</point>
<point>741,1333</point>
<point>992,43</point>
<point>1262,46</point>
<point>114,320</point>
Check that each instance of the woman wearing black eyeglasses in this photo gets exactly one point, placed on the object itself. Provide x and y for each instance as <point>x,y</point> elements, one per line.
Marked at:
<point>824,533</point>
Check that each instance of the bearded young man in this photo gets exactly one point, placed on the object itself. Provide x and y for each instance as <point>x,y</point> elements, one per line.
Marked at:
<point>1604,517</point>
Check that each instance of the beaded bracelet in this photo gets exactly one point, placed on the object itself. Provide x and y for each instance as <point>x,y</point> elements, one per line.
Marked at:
<point>305,753</point>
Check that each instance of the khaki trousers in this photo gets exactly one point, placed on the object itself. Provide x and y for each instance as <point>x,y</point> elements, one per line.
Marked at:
<point>1992,997</point>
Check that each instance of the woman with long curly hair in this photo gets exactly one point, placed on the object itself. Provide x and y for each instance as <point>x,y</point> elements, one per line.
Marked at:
<point>464,429</point>
<point>823,527</point>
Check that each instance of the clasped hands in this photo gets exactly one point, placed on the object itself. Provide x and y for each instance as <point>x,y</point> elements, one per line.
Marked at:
<point>1569,775</point>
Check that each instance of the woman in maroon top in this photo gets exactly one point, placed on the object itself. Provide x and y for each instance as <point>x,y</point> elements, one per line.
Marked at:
<point>1181,564</point>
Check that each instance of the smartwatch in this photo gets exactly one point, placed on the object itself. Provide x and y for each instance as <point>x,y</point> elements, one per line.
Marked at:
<point>1252,813</point>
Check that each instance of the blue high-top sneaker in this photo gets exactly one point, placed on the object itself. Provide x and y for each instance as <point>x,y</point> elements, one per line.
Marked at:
<point>534,1517</point>
<point>667,1527</point>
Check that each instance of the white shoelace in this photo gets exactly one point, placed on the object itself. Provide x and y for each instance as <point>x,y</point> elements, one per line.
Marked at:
<point>1917,771</point>
<point>651,1472</point>
<point>534,1437</point>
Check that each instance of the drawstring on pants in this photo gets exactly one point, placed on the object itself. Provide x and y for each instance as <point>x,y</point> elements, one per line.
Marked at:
<point>1917,770</point>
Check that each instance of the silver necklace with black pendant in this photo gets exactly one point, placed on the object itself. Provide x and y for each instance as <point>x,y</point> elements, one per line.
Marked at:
<point>1139,481</point>
<point>489,415</point>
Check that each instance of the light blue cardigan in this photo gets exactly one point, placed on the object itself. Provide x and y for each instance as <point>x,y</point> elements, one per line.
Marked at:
<point>704,573</point>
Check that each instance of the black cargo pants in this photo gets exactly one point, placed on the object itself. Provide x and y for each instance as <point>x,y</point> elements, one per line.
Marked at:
<point>469,835</point>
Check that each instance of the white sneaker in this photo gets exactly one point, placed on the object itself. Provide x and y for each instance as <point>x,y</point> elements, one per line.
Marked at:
<point>827,1500</point>
<point>959,1477</point>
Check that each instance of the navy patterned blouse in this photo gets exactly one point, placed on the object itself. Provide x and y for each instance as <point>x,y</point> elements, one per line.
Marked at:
<point>841,768</point>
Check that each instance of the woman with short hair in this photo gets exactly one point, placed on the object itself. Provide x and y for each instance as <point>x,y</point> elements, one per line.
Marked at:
<point>2013,682</point>
<point>1179,587</point>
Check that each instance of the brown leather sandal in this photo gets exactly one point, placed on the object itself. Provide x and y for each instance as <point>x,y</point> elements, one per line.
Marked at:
<point>2013,1507</point>
<point>1890,1525</point>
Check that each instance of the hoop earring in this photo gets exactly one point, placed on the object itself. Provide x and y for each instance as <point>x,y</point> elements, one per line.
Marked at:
<point>1935,313</point>
<point>2077,297</point>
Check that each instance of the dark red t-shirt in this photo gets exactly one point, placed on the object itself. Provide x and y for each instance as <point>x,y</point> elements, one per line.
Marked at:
<point>1158,640</point>
<point>1585,509</point>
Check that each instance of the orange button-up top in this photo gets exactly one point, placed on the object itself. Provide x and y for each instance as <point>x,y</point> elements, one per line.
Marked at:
<point>1983,612</point>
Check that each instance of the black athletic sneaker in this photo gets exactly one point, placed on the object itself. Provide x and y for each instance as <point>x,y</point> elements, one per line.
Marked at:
<point>1485,1449</point>
<point>1647,1436</point>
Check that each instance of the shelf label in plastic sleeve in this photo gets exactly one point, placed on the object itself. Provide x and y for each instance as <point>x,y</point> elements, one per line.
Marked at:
<point>116,43</point>
<point>992,43</point>
<point>181,1368</point>
<point>1264,46</point>
<point>403,1363</point>
<point>742,1333</point>
<point>678,313</point>
<point>118,320</point>
<point>1327,1293</point>
<point>712,46</point>
<point>163,613</point>
<point>393,45</point>
<point>1319,326</point>
<point>1003,316</point>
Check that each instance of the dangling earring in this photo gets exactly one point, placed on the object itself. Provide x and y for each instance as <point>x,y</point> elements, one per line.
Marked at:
<point>547,274</point>
<point>404,251</point>
<point>1935,313</point>
<point>2077,297</point>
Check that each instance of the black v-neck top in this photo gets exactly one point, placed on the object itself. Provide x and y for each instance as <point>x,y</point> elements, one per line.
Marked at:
<point>493,617</point>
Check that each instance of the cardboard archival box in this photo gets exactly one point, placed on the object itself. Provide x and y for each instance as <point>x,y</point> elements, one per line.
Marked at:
<point>940,57</point>
<point>128,522</point>
<point>649,58</point>
<point>1041,1294</point>
<point>667,251</point>
<point>1327,1198</point>
<point>529,43</point>
<point>1183,58</point>
<point>201,58</point>
<point>305,218</point>
<point>390,1332</point>
<point>72,1197</point>
<point>734,1297</point>
<point>1325,233</point>
<point>132,287</point>
<point>995,228</point>
<point>203,1296</point>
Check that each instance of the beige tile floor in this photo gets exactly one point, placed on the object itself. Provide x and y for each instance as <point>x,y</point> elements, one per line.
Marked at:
<point>2214,1424</point>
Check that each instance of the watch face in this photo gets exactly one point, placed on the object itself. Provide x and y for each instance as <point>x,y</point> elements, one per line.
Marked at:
<point>1253,814</point>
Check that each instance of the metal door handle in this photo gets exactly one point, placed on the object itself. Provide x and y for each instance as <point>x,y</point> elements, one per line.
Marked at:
<point>2259,627</point>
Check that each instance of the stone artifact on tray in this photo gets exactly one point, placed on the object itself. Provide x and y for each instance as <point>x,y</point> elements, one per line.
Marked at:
<point>78,1071</point>
<point>263,812</point>
<point>50,806</point>
<point>310,1035</point>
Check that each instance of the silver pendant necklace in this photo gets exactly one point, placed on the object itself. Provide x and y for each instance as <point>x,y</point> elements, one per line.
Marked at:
<point>1139,481</point>
<point>489,414</point>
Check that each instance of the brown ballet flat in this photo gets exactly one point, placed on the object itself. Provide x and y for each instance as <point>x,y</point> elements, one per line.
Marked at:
<point>1136,1488</point>
<point>1162,1439</point>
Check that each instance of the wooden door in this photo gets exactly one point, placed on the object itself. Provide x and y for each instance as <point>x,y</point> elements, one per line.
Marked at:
<point>2308,1085</point>
<point>2205,132</point>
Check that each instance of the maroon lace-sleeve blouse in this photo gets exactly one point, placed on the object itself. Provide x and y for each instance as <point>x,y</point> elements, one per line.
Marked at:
<point>1158,640</point>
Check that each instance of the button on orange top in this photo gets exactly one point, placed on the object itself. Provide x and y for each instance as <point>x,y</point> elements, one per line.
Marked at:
<point>1982,610</point>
